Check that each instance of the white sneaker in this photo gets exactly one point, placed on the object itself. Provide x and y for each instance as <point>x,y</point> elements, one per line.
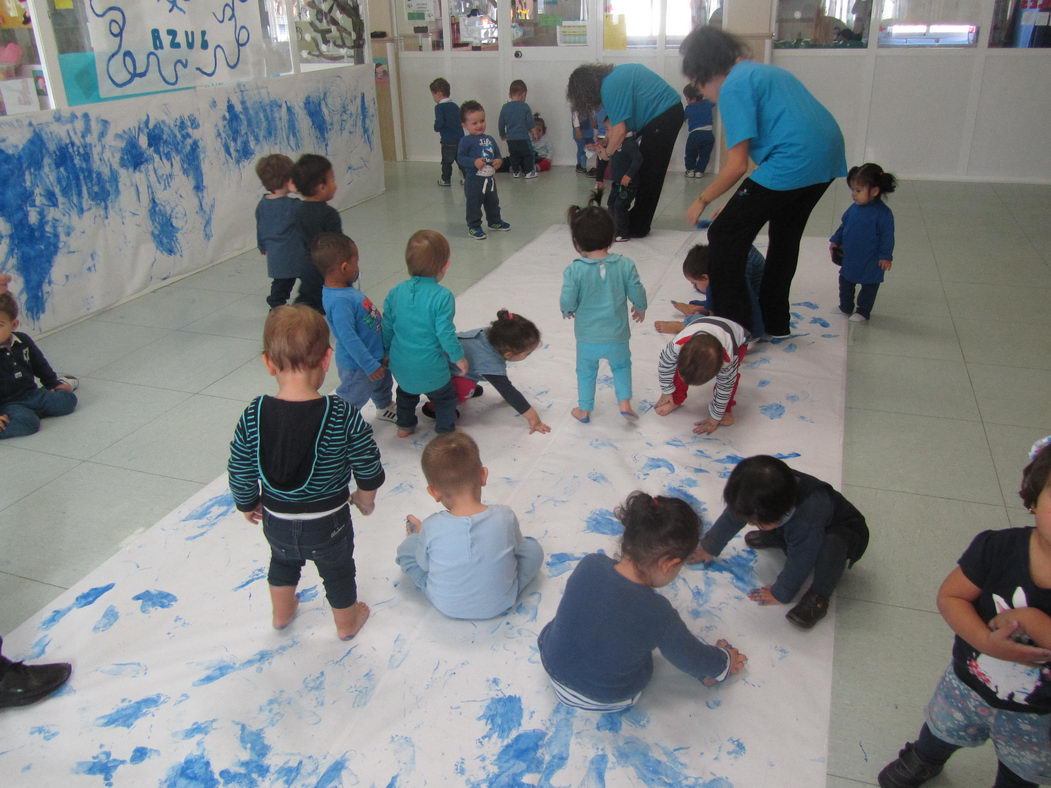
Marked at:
<point>858,318</point>
<point>70,380</point>
<point>387,414</point>
<point>531,174</point>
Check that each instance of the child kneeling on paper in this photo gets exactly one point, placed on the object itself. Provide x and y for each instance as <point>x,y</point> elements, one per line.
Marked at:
<point>470,560</point>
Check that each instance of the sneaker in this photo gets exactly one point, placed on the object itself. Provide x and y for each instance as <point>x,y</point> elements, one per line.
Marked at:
<point>443,183</point>
<point>857,317</point>
<point>478,391</point>
<point>759,540</point>
<point>909,770</point>
<point>516,174</point>
<point>698,174</point>
<point>477,233</point>
<point>847,312</point>
<point>428,410</point>
<point>387,414</point>
<point>502,227</point>
<point>70,380</point>
<point>530,175</point>
<point>811,609</point>
<point>621,238</point>
<point>581,171</point>
<point>24,684</point>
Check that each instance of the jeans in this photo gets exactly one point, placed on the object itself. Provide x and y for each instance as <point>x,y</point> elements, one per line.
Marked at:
<point>443,399</point>
<point>620,199</point>
<point>280,290</point>
<point>730,238</point>
<point>356,389</point>
<point>617,354</point>
<point>699,146</point>
<point>481,192</point>
<point>520,156</point>
<point>25,414</point>
<point>327,541</point>
<point>866,298</point>
<point>448,159</point>
<point>656,141</point>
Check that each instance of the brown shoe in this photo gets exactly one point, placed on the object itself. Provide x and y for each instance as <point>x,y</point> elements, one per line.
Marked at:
<point>811,609</point>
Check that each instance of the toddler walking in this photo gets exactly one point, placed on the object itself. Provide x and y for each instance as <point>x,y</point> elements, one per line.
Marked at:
<point>315,181</point>
<point>291,461</point>
<point>277,229</point>
<point>864,243</point>
<point>596,287</point>
<point>598,649</point>
<point>470,560</point>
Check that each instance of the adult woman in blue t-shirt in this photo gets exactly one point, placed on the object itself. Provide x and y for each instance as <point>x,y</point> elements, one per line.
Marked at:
<point>636,100</point>
<point>768,116</point>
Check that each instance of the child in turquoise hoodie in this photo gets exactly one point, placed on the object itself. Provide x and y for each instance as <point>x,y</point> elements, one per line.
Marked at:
<point>595,290</point>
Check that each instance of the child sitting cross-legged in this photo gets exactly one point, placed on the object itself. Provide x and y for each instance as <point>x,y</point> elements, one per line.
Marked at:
<point>470,560</point>
<point>598,649</point>
<point>291,461</point>
<point>819,530</point>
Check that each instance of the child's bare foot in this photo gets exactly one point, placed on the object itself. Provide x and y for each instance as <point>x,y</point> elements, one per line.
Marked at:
<point>405,433</point>
<point>284,602</point>
<point>668,326</point>
<point>626,410</point>
<point>727,421</point>
<point>583,416</point>
<point>350,620</point>
<point>665,405</point>
<point>682,307</point>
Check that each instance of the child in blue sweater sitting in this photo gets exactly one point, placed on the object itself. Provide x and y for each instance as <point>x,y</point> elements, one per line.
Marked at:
<point>864,243</point>
<point>470,560</point>
<point>447,125</point>
<point>357,325</point>
<point>598,649</point>
<point>479,156</point>
<point>595,290</point>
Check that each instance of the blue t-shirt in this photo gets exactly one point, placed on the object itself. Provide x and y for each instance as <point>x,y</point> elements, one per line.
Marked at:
<point>699,114</point>
<point>357,326</point>
<point>516,119</point>
<point>633,94</point>
<point>601,640</point>
<point>867,236</point>
<point>280,238</point>
<point>792,137</point>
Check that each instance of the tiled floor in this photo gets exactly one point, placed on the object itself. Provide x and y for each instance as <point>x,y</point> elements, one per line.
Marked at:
<point>947,389</point>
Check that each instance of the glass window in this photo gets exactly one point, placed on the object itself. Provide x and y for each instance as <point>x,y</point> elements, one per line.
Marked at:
<point>22,87</point>
<point>473,24</point>
<point>822,23</point>
<point>548,23</point>
<point>630,23</point>
<point>929,23</point>
<point>330,31</point>
<point>1020,23</point>
<point>685,15</point>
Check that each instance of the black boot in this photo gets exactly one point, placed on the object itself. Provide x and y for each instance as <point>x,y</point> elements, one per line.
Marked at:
<point>811,609</point>
<point>22,684</point>
<point>909,770</point>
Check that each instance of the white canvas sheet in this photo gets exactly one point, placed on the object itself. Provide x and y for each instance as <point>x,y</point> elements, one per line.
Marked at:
<point>180,680</point>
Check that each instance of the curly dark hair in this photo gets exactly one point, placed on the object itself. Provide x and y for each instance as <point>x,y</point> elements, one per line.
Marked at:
<point>584,90</point>
<point>708,52</point>
<point>657,527</point>
<point>1036,477</point>
<point>761,489</point>
<point>511,333</point>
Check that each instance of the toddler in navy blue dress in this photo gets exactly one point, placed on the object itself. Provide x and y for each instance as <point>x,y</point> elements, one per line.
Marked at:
<point>598,650</point>
<point>864,243</point>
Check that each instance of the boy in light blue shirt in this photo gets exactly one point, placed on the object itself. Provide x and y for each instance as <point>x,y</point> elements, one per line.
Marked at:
<point>419,336</point>
<point>470,560</point>
<point>356,324</point>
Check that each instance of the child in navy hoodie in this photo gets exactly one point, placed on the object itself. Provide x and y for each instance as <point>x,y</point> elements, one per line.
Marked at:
<point>447,124</point>
<point>479,156</point>
<point>514,125</point>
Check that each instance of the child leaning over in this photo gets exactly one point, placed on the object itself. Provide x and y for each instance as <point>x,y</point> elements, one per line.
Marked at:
<point>598,649</point>
<point>595,290</point>
<point>316,183</point>
<point>708,347</point>
<point>864,243</point>
<point>479,156</point>
<point>22,403</point>
<point>470,560</point>
<point>356,324</point>
<point>447,125</point>
<point>277,227</point>
<point>291,461</point>
<point>419,336</point>
<point>998,602</point>
<point>819,530</point>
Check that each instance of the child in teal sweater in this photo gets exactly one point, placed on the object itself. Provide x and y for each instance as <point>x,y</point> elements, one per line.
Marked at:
<point>595,290</point>
<point>419,336</point>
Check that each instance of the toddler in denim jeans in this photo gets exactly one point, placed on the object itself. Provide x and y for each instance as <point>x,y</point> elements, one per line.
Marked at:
<point>291,461</point>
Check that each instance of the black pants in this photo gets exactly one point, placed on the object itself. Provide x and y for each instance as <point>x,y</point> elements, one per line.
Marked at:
<point>443,399</point>
<point>310,285</point>
<point>866,298</point>
<point>520,156</point>
<point>280,290</point>
<point>327,541</point>
<point>831,559</point>
<point>656,141</point>
<point>934,750</point>
<point>731,236</point>
<point>448,159</point>
<point>620,198</point>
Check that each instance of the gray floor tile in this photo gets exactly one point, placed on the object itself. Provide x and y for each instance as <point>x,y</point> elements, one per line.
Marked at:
<point>992,302</point>
<point>917,335</point>
<point>1004,342</point>
<point>22,598</point>
<point>80,519</point>
<point>92,344</point>
<point>245,273</point>
<point>243,318</point>
<point>1010,446</point>
<point>944,458</point>
<point>925,387</point>
<point>1012,395</point>
<point>1019,268</point>
<point>25,469</point>
<point>169,307</point>
<point>909,296</point>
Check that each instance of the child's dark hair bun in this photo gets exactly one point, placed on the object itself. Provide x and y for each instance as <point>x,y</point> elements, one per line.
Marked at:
<point>512,333</point>
<point>657,527</point>
<point>873,176</point>
<point>591,227</point>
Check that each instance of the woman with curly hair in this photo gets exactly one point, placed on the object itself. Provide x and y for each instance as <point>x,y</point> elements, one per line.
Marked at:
<point>637,100</point>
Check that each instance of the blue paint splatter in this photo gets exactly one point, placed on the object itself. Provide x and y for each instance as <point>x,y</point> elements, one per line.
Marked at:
<point>763,384</point>
<point>102,764</point>
<point>154,600</point>
<point>131,711</point>
<point>332,777</point>
<point>654,772</point>
<point>792,397</point>
<point>195,770</point>
<point>48,732</point>
<point>610,722</point>
<point>774,410</point>
<point>140,754</point>
<point>307,594</point>
<point>791,347</point>
<point>738,748</point>
<point>314,106</point>
<point>197,729</point>
<point>596,773</point>
<point>757,363</point>
<point>598,478</point>
<point>125,669</point>
<point>209,514</point>
<point>366,122</point>
<point>680,492</point>
<point>398,653</point>
<point>502,717</point>
<point>289,774</point>
<point>819,321</point>
<point>163,226</point>
<point>106,620</point>
<point>787,455</point>
<point>558,742</point>
<point>315,683</point>
<point>807,304</point>
<point>254,767</point>
<point>517,758</point>
<point>257,574</point>
<point>364,690</point>
<point>602,521</point>
<point>89,597</point>
<point>223,667</point>
<point>529,606</point>
<point>560,563</point>
<point>655,464</point>
<point>741,568</point>
<point>595,443</point>
<point>713,704</point>
<point>829,336</point>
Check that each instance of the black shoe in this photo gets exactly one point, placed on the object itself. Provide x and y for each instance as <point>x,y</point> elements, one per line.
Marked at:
<point>24,684</point>
<point>909,770</point>
<point>428,409</point>
<point>759,540</point>
<point>811,609</point>
<point>478,391</point>
<point>581,171</point>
